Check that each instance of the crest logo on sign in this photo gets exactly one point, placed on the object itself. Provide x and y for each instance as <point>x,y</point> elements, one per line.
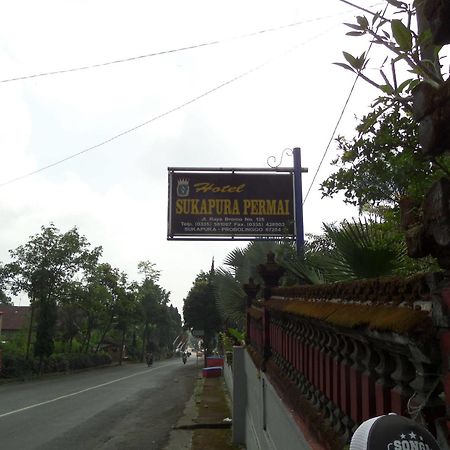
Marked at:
<point>183,187</point>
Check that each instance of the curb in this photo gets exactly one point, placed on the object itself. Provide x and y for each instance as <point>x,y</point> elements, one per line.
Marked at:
<point>181,435</point>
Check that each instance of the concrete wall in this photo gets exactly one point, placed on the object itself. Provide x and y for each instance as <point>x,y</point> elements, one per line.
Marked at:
<point>260,419</point>
<point>228,376</point>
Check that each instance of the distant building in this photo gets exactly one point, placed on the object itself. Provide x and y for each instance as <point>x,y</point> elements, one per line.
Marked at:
<point>13,319</point>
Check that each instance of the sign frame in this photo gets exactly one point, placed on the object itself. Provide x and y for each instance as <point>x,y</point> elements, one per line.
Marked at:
<point>175,235</point>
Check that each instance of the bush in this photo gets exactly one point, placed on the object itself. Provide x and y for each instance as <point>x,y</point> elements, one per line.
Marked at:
<point>17,366</point>
<point>134,354</point>
<point>78,361</point>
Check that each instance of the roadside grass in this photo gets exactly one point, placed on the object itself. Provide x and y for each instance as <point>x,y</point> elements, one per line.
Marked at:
<point>213,407</point>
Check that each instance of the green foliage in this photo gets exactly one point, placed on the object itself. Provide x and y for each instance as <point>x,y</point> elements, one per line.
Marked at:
<point>93,301</point>
<point>405,45</point>
<point>200,310</point>
<point>402,35</point>
<point>305,269</point>
<point>228,339</point>
<point>4,299</point>
<point>46,328</point>
<point>148,269</point>
<point>230,298</point>
<point>353,250</point>
<point>162,322</point>
<point>16,365</point>
<point>244,261</point>
<point>42,268</point>
<point>226,342</point>
<point>382,163</point>
<point>242,265</point>
<point>15,343</point>
<point>237,335</point>
<point>47,261</point>
<point>362,250</point>
<point>80,302</point>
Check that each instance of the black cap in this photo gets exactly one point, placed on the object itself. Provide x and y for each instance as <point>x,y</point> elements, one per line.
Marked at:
<point>392,432</point>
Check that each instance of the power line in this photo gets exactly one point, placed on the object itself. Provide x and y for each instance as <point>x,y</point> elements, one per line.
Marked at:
<point>166,52</point>
<point>340,117</point>
<point>360,7</point>
<point>108,63</point>
<point>332,136</point>
<point>166,113</point>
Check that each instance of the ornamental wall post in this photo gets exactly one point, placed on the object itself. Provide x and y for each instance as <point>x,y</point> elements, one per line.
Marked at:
<point>270,272</point>
<point>251,290</point>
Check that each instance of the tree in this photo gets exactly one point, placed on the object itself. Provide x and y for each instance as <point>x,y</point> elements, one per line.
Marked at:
<point>413,47</point>
<point>92,299</point>
<point>70,315</point>
<point>230,299</point>
<point>243,262</point>
<point>148,269</point>
<point>4,299</point>
<point>174,328</point>
<point>109,284</point>
<point>409,47</point>
<point>242,265</point>
<point>382,163</point>
<point>200,310</point>
<point>126,310</point>
<point>352,250</point>
<point>42,268</point>
<point>161,322</point>
<point>151,297</point>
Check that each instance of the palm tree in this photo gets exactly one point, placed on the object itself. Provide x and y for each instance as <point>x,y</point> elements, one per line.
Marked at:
<point>351,250</point>
<point>242,264</point>
<point>359,249</point>
<point>230,299</point>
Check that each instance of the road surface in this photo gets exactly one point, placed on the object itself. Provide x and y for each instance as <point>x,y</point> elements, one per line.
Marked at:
<point>122,407</point>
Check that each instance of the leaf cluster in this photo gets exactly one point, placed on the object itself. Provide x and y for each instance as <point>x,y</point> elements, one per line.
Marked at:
<point>382,163</point>
<point>358,249</point>
<point>404,45</point>
<point>200,310</point>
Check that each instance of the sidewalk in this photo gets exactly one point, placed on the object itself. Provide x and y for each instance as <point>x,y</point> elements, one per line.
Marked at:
<point>206,421</point>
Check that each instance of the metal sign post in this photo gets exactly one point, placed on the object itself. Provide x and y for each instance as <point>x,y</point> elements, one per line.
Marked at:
<point>298,199</point>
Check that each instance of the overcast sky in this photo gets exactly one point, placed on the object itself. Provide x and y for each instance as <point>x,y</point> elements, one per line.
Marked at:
<point>116,194</point>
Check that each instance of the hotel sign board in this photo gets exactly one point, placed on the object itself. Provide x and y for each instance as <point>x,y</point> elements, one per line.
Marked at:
<point>233,205</point>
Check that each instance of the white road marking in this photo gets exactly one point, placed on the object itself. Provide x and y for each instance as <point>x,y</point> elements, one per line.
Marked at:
<point>80,392</point>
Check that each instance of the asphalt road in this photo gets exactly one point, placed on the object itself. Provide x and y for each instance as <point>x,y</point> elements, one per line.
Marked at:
<point>123,407</point>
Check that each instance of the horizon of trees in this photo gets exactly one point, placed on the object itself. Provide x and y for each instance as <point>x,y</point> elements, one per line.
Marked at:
<point>79,302</point>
